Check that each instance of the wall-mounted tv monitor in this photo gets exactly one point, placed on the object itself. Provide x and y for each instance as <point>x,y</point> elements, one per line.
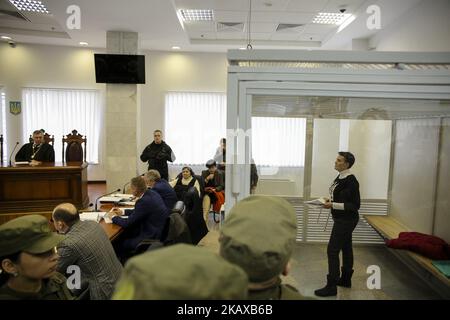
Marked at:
<point>119,68</point>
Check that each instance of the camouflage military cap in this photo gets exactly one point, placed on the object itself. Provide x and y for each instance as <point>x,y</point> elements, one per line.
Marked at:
<point>29,233</point>
<point>259,236</point>
<point>181,272</point>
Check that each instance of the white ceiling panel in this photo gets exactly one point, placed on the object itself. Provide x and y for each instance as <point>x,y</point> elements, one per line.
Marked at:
<point>350,5</point>
<point>260,36</point>
<point>311,37</point>
<point>159,28</point>
<point>263,27</point>
<point>229,5</point>
<point>320,28</point>
<point>206,26</point>
<point>230,16</point>
<point>285,36</point>
<point>204,35</point>
<point>230,35</point>
<point>306,5</point>
<point>268,5</point>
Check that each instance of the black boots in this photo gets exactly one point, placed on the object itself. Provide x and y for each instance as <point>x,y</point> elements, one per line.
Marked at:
<point>329,290</point>
<point>346,278</point>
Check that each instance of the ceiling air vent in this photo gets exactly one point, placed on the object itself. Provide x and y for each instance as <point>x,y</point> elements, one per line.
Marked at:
<point>230,26</point>
<point>11,15</point>
<point>290,27</point>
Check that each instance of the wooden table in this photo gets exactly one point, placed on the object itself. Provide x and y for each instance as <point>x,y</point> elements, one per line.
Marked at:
<point>111,229</point>
<point>38,189</point>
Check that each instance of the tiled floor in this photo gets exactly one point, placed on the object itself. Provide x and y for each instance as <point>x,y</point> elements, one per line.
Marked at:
<point>309,269</point>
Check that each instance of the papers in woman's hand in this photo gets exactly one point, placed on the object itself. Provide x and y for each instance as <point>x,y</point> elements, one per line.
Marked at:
<point>319,202</point>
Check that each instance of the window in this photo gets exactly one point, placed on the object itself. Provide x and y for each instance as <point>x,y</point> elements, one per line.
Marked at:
<point>3,125</point>
<point>59,111</point>
<point>194,125</point>
<point>278,141</point>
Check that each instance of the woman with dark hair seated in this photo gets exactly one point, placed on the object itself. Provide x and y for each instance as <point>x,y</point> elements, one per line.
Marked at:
<point>185,180</point>
<point>28,261</point>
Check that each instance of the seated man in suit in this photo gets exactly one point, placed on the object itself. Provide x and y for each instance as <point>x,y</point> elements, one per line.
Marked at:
<point>214,182</point>
<point>87,246</point>
<point>154,182</point>
<point>145,221</point>
<point>37,150</point>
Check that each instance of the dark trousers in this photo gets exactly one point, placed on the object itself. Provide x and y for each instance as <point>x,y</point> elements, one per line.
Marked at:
<point>340,239</point>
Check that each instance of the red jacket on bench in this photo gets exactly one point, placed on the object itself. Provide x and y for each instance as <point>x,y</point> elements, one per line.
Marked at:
<point>429,246</point>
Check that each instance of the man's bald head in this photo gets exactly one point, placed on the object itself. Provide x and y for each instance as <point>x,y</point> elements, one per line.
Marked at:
<point>67,213</point>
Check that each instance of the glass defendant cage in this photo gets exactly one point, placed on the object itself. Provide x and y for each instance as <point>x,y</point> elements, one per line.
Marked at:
<point>291,112</point>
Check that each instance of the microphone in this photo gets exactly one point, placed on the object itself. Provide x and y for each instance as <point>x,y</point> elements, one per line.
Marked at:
<point>96,200</point>
<point>10,156</point>
<point>88,209</point>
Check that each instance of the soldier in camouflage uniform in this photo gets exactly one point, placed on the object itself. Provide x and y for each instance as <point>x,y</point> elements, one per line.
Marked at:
<point>181,272</point>
<point>259,236</point>
<point>28,261</point>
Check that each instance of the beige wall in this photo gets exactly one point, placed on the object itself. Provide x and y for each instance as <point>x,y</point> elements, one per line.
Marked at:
<point>67,67</point>
<point>370,142</point>
<point>45,66</point>
<point>167,71</point>
<point>442,218</point>
<point>426,27</point>
<point>414,173</point>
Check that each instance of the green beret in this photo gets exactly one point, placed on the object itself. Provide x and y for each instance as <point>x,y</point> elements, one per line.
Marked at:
<point>259,235</point>
<point>181,272</point>
<point>29,233</point>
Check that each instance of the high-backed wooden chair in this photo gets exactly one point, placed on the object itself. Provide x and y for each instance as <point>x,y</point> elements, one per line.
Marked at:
<point>74,150</point>
<point>50,139</point>
<point>1,148</point>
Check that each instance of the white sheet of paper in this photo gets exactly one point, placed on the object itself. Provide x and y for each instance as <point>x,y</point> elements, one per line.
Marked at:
<point>21,162</point>
<point>91,216</point>
<point>316,202</point>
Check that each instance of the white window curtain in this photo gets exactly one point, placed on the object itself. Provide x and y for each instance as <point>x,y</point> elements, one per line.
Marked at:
<point>59,111</point>
<point>3,125</point>
<point>278,141</point>
<point>194,125</point>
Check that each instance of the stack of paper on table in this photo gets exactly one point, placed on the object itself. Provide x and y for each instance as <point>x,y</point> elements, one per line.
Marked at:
<point>115,198</point>
<point>91,216</point>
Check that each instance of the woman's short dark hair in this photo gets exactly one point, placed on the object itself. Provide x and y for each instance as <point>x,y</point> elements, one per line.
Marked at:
<point>349,158</point>
<point>3,275</point>
<point>190,170</point>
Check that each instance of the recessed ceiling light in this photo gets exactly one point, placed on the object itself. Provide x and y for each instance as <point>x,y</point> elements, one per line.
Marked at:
<point>330,18</point>
<point>176,48</point>
<point>197,14</point>
<point>30,5</point>
<point>83,43</point>
<point>6,38</point>
<point>242,48</point>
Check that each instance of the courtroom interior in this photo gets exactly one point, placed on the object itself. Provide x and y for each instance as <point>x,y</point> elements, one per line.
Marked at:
<point>257,149</point>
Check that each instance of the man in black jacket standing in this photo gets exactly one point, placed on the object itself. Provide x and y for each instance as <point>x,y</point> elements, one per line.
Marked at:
<point>157,154</point>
